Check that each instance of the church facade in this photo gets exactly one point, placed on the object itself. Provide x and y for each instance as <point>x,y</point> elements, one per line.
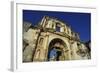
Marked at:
<point>52,40</point>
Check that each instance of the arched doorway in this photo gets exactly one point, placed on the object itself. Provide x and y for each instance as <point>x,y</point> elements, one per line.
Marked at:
<point>56,50</point>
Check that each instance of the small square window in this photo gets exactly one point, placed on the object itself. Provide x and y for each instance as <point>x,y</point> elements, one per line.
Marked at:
<point>57,28</point>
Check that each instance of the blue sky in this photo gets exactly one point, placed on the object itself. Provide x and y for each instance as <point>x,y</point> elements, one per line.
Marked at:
<point>79,22</point>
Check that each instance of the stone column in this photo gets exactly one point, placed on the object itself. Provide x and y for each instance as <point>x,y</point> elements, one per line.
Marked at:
<point>66,55</point>
<point>41,50</point>
<point>39,55</point>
